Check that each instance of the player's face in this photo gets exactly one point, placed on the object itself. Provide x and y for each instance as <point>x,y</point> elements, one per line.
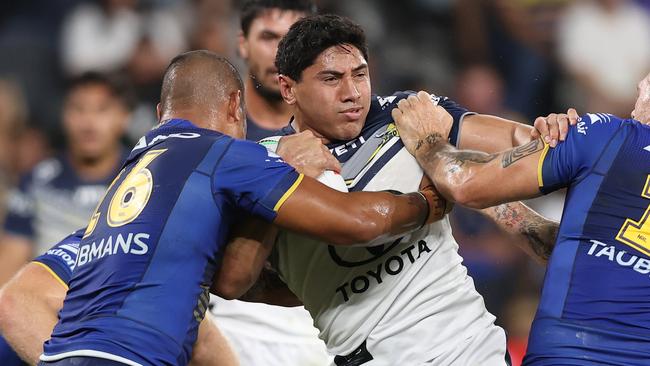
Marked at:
<point>94,120</point>
<point>333,96</point>
<point>260,46</point>
<point>641,110</point>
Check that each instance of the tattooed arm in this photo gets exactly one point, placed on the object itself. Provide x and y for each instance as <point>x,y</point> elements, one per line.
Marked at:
<point>471,178</point>
<point>477,179</point>
<point>534,233</point>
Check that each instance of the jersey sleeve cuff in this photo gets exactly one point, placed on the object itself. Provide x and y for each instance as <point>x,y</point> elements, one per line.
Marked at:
<point>55,270</point>
<point>545,176</point>
<point>274,200</point>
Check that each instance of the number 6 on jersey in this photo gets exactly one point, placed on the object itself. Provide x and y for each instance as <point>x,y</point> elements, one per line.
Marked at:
<point>131,197</point>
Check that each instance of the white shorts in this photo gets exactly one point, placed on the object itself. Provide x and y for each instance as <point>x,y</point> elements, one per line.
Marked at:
<point>263,335</point>
<point>253,351</point>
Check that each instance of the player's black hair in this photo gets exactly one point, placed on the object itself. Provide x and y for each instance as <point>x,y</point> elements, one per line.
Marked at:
<point>251,9</point>
<point>116,84</point>
<point>310,36</point>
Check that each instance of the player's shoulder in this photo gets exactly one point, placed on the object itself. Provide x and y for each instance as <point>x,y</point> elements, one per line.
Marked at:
<point>597,125</point>
<point>61,257</point>
<point>244,152</point>
<point>382,105</point>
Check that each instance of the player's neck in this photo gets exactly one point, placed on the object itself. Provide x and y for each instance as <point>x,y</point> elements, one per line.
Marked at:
<point>267,114</point>
<point>299,125</point>
<point>96,169</point>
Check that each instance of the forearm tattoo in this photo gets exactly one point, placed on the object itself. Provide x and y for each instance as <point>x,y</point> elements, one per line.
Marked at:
<point>431,139</point>
<point>456,159</point>
<point>521,152</point>
<point>540,233</point>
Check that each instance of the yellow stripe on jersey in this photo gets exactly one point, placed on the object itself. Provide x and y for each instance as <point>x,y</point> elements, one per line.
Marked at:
<point>540,165</point>
<point>56,276</point>
<point>288,193</point>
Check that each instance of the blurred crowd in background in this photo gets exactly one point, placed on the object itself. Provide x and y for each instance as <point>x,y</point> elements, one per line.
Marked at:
<point>514,58</point>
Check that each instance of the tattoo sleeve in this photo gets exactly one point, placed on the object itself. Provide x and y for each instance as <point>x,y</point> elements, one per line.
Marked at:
<point>538,233</point>
<point>520,152</point>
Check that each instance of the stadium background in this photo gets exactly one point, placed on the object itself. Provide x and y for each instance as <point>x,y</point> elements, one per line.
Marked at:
<point>514,58</point>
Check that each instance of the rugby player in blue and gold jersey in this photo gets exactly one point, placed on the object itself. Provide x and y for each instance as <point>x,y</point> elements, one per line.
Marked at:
<point>595,308</point>
<point>150,251</point>
<point>30,301</point>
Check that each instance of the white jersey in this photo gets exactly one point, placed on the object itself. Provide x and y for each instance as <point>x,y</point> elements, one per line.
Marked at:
<point>409,302</point>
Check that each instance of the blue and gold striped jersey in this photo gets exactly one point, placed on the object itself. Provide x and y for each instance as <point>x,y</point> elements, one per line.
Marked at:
<point>595,305</point>
<point>147,258</point>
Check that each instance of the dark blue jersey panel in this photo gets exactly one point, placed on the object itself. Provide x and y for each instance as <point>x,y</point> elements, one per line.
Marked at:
<point>140,285</point>
<point>595,307</point>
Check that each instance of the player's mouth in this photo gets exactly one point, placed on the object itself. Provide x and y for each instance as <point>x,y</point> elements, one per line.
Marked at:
<point>352,114</point>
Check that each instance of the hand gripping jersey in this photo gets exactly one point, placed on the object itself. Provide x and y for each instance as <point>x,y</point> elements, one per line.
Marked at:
<point>595,305</point>
<point>140,284</point>
<point>407,302</point>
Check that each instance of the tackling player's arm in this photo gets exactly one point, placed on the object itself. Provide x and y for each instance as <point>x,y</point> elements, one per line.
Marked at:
<point>29,304</point>
<point>260,183</point>
<point>532,232</point>
<point>356,218</point>
<point>491,134</point>
<point>471,178</point>
<point>212,347</point>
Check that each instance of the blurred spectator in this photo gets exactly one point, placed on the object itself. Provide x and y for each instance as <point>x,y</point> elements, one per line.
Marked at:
<point>213,28</point>
<point>100,36</point>
<point>13,119</point>
<point>59,194</point>
<point>108,35</point>
<point>481,89</point>
<point>28,42</point>
<point>605,46</point>
<point>516,37</point>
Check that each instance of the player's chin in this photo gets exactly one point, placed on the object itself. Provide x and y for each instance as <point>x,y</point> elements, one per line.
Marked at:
<point>348,130</point>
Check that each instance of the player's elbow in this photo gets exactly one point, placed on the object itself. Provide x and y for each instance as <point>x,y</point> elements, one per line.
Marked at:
<point>360,228</point>
<point>469,194</point>
<point>231,288</point>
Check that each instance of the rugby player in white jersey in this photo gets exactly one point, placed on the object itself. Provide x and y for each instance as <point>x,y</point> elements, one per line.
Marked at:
<point>408,302</point>
<point>259,332</point>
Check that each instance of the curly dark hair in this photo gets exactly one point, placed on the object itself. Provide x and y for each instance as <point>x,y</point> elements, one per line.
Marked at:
<point>251,9</point>
<point>310,36</point>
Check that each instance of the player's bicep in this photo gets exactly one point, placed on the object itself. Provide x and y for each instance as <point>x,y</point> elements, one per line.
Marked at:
<point>33,289</point>
<point>317,210</point>
<point>509,176</point>
<point>491,134</point>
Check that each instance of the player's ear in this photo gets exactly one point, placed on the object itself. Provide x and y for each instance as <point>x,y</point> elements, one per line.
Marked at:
<point>158,111</point>
<point>242,45</point>
<point>235,108</point>
<point>287,85</point>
